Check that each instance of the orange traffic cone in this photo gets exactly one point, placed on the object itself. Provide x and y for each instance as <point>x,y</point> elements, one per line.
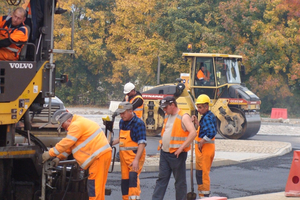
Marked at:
<point>292,188</point>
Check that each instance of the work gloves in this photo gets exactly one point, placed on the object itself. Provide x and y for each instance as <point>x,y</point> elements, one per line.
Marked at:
<point>46,156</point>
<point>55,162</point>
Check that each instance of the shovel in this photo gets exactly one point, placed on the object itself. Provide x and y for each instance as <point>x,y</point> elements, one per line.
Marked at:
<point>192,195</point>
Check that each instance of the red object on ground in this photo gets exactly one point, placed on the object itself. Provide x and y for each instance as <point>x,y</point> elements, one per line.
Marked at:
<point>279,113</point>
<point>292,188</point>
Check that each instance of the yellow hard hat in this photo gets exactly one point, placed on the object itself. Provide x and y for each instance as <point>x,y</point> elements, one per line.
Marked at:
<point>203,98</point>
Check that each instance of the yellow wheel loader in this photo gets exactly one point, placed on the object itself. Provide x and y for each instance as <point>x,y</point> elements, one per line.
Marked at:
<point>234,105</point>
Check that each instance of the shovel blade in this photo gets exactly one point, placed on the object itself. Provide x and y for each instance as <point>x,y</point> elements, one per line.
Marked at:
<point>191,196</point>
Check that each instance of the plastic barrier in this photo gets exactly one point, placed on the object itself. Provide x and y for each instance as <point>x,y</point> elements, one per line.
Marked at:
<point>279,113</point>
<point>292,188</point>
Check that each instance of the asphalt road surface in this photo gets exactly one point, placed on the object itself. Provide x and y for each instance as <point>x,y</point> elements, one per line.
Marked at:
<point>245,179</point>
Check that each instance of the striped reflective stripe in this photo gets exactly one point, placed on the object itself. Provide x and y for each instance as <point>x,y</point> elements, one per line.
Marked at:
<point>178,138</point>
<point>87,141</point>
<point>13,49</point>
<point>138,109</point>
<point>134,197</point>
<point>211,142</point>
<point>65,154</point>
<point>127,148</point>
<point>203,192</point>
<point>72,138</point>
<point>89,159</point>
<point>55,151</point>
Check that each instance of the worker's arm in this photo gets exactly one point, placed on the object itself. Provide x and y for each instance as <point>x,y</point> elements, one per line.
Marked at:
<point>5,42</point>
<point>116,141</point>
<point>137,103</point>
<point>135,163</point>
<point>189,125</point>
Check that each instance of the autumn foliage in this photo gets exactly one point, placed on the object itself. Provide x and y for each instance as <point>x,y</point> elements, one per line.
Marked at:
<point>117,41</point>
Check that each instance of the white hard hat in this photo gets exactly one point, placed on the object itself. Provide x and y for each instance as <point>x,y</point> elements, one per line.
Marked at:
<point>128,87</point>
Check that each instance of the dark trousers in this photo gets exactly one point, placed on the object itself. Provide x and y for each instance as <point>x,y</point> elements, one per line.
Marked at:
<point>169,163</point>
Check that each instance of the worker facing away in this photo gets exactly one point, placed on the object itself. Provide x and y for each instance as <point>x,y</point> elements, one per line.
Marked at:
<point>89,146</point>
<point>177,134</point>
<point>132,142</point>
<point>135,98</point>
<point>205,144</point>
<point>15,31</point>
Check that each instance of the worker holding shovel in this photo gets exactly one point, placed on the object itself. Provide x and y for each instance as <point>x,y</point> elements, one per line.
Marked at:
<point>205,144</point>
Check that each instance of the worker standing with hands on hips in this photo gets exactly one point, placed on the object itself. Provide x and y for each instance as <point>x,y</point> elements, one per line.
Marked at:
<point>90,148</point>
<point>132,142</point>
<point>135,98</point>
<point>205,144</point>
<point>177,134</point>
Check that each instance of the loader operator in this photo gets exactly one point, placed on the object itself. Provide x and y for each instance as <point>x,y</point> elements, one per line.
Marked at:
<point>16,32</point>
<point>205,144</point>
<point>176,136</point>
<point>203,75</point>
<point>135,98</point>
<point>132,142</point>
<point>89,146</point>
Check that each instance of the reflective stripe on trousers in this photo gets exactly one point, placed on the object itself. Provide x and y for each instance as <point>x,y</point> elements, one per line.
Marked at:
<point>204,161</point>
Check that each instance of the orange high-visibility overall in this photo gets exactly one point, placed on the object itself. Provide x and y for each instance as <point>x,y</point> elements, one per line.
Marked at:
<point>139,110</point>
<point>204,159</point>
<point>89,146</point>
<point>130,184</point>
<point>17,34</point>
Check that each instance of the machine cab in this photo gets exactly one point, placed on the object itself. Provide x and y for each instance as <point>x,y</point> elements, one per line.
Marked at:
<point>212,73</point>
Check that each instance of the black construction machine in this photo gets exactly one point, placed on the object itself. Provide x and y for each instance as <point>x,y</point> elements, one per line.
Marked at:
<point>24,86</point>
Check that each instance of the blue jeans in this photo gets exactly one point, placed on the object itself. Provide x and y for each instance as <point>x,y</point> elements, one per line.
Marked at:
<point>168,163</point>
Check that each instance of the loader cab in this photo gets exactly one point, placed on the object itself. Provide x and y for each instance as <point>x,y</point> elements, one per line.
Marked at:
<point>211,74</point>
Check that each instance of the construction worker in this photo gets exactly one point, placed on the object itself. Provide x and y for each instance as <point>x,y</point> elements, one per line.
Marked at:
<point>89,146</point>
<point>132,142</point>
<point>205,144</point>
<point>135,98</point>
<point>176,136</point>
<point>16,31</point>
<point>203,75</point>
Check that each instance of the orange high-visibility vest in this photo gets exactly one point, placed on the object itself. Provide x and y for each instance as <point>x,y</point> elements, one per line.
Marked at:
<point>139,110</point>
<point>18,34</point>
<point>201,75</point>
<point>178,135</point>
<point>85,139</point>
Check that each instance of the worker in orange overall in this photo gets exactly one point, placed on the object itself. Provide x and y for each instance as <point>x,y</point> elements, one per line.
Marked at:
<point>90,148</point>
<point>205,144</point>
<point>14,37</point>
<point>135,98</point>
<point>132,142</point>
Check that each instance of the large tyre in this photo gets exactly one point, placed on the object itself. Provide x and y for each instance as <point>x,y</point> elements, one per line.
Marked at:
<point>235,135</point>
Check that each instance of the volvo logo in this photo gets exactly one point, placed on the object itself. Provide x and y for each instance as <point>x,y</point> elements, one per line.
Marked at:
<point>21,65</point>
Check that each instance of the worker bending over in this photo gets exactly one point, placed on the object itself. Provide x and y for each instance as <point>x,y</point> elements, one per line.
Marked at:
<point>90,148</point>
